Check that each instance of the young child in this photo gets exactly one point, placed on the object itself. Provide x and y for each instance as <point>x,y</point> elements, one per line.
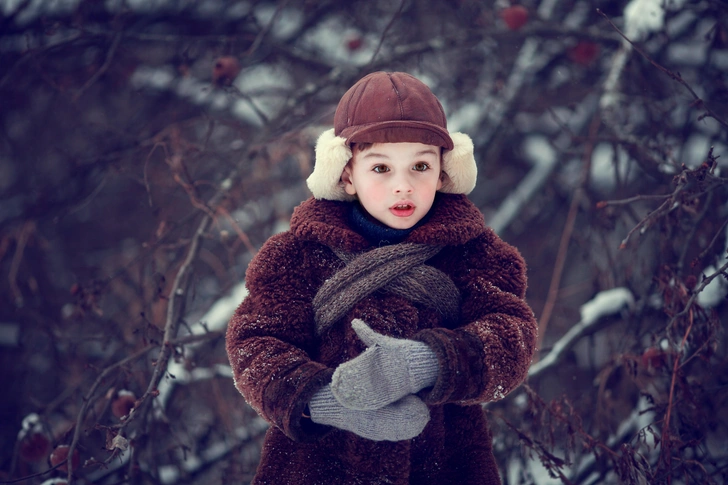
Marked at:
<point>377,326</point>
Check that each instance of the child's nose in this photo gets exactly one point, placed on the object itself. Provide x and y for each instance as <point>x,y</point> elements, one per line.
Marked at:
<point>403,186</point>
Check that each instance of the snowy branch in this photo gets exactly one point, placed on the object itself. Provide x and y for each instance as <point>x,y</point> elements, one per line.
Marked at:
<point>603,304</point>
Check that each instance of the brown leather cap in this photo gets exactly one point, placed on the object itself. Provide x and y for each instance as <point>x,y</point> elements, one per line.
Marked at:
<point>391,107</point>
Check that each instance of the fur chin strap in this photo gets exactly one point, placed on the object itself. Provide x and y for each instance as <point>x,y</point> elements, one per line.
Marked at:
<point>332,155</point>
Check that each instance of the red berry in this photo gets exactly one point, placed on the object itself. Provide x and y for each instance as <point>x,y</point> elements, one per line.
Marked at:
<point>584,52</point>
<point>690,282</point>
<point>514,16</point>
<point>60,454</point>
<point>123,405</point>
<point>225,70</point>
<point>653,358</point>
<point>354,44</point>
<point>34,447</point>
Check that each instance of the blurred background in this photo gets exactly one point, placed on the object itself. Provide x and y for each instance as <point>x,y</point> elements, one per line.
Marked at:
<point>149,148</point>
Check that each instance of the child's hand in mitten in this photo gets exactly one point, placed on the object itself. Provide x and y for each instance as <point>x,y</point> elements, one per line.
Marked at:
<point>388,370</point>
<point>402,420</point>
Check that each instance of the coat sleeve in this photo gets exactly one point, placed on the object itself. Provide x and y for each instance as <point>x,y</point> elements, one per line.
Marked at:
<point>270,340</point>
<point>489,354</point>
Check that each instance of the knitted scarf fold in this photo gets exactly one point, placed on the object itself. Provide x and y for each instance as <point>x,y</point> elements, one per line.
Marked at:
<point>397,268</point>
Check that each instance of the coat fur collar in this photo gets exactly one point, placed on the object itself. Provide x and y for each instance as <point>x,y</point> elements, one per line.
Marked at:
<point>453,220</point>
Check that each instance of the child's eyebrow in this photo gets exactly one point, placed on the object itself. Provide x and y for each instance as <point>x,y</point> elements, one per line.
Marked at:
<point>428,151</point>
<point>375,155</point>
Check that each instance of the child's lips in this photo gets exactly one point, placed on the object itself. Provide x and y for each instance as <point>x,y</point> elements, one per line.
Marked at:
<point>403,209</point>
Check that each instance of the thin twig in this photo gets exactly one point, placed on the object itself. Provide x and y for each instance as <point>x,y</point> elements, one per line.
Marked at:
<point>676,77</point>
<point>239,231</point>
<point>196,339</point>
<point>687,243</point>
<point>101,70</point>
<point>630,200</point>
<point>566,236</point>
<point>261,35</point>
<point>665,443</point>
<point>146,174</point>
<point>561,348</point>
<point>84,203</point>
<point>259,112</point>
<point>20,244</point>
<point>31,53</point>
<point>715,238</point>
<point>175,310</point>
<point>706,281</point>
<point>385,32</point>
<point>646,220</point>
<point>35,475</point>
<point>87,400</point>
<point>177,37</point>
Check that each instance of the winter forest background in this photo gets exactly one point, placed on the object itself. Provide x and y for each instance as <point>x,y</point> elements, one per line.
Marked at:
<point>148,148</point>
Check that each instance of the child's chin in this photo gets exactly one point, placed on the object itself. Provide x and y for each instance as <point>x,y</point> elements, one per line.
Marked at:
<point>401,223</point>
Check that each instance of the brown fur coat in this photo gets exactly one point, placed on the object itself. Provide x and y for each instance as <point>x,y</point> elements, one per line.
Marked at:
<point>279,362</point>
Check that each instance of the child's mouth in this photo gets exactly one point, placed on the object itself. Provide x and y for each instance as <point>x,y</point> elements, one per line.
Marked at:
<point>402,210</point>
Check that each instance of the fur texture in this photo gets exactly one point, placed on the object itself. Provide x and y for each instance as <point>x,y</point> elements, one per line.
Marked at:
<point>333,153</point>
<point>279,361</point>
<point>459,165</point>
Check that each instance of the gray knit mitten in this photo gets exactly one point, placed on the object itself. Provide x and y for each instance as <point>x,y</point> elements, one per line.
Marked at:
<point>402,420</point>
<point>388,370</point>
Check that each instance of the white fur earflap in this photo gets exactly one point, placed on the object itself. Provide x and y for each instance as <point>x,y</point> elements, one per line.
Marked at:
<point>459,165</point>
<point>332,155</point>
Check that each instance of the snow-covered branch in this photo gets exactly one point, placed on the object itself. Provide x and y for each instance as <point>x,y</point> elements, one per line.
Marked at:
<point>606,303</point>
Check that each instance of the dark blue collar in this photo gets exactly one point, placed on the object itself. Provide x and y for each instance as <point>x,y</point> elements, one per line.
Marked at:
<point>374,231</point>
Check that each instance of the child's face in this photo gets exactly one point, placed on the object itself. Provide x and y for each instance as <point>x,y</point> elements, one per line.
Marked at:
<point>395,182</point>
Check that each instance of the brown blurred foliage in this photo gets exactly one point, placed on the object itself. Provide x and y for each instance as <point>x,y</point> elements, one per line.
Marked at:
<point>148,149</point>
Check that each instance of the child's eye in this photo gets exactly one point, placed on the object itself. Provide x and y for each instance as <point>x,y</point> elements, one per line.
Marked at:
<point>381,168</point>
<point>421,166</point>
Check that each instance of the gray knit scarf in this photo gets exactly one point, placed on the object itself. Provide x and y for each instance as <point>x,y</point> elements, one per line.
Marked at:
<point>397,268</point>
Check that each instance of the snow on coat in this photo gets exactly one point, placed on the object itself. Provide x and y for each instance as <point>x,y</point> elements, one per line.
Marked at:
<point>279,361</point>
